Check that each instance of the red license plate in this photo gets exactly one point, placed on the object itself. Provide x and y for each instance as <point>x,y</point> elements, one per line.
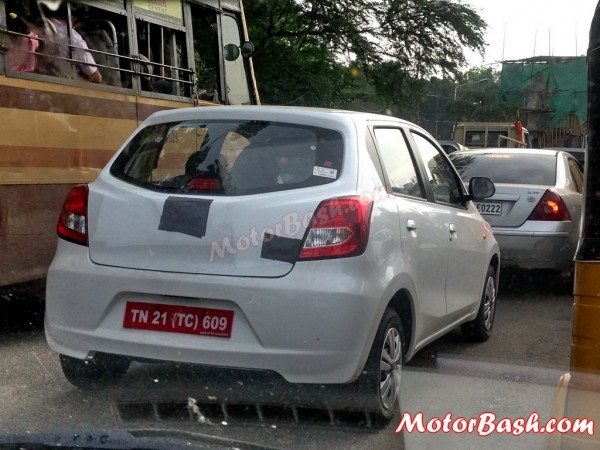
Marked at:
<point>178,319</point>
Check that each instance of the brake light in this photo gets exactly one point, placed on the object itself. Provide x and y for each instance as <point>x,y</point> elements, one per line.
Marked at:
<point>339,228</point>
<point>72,223</point>
<point>204,184</point>
<point>551,207</point>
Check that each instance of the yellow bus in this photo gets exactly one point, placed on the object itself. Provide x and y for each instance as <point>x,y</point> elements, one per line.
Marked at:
<point>58,128</point>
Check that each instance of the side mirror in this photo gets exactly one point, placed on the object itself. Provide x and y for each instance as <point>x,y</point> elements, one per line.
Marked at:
<point>231,52</point>
<point>247,49</point>
<point>481,188</point>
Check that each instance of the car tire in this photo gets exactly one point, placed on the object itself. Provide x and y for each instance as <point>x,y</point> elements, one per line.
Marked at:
<point>480,329</point>
<point>99,372</point>
<point>566,281</point>
<point>380,380</point>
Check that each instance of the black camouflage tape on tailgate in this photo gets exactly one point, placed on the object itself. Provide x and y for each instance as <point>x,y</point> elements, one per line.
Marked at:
<point>280,248</point>
<point>186,216</point>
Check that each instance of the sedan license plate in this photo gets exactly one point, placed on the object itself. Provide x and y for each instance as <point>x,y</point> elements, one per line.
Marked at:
<point>492,209</point>
<point>178,319</point>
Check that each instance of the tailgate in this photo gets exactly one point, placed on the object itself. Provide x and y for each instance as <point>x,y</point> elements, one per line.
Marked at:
<point>220,236</point>
<point>199,196</point>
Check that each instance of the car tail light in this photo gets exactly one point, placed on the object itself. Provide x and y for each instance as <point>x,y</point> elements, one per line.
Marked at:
<point>338,228</point>
<point>204,184</point>
<point>551,207</point>
<point>72,223</point>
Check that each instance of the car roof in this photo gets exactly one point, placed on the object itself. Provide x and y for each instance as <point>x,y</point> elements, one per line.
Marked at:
<point>515,151</point>
<point>275,114</point>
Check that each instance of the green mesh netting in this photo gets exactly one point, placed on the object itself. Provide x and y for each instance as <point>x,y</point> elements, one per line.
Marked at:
<point>564,79</point>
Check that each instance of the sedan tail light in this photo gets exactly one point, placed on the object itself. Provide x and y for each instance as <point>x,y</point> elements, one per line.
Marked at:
<point>551,207</point>
<point>72,223</point>
<point>339,228</point>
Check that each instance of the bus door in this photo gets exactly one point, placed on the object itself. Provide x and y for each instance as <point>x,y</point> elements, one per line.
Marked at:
<point>221,54</point>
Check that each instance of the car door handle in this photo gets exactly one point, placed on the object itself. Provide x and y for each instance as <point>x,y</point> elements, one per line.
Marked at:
<point>411,225</point>
<point>452,230</point>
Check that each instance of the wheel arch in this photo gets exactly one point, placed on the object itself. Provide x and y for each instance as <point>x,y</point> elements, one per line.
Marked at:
<point>402,303</point>
<point>495,263</point>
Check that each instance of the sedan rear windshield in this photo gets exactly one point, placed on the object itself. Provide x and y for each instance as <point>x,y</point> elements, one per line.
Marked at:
<point>230,157</point>
<point>507,168</point>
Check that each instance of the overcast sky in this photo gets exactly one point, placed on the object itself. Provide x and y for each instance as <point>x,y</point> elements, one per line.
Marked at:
<point>568,21</point>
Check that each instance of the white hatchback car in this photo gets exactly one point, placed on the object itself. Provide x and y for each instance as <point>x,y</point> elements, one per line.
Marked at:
<point>327,246</point>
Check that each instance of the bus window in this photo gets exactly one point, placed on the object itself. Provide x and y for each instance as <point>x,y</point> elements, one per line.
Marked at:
<point>236,79</point>
<point>165,51</point>
<point>19,39</point>
<point>206,53</point>
<point>106,33</point>
<point>87,46</point>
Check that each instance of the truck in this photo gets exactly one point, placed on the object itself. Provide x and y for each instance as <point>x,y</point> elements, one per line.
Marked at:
<point>491,134</point>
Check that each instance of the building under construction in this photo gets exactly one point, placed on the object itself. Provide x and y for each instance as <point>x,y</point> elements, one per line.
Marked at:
<point>551,93</point>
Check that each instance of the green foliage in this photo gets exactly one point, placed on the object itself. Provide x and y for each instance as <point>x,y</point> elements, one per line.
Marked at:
<point>351,52</point>
<point>477,98</point>
<point>472,96</point>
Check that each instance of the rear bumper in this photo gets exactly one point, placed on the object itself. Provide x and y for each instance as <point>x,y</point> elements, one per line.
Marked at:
<point>530,249</point>
<point>309,326</point>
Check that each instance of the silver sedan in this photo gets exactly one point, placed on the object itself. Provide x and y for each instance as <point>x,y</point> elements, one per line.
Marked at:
<point>536,210</point>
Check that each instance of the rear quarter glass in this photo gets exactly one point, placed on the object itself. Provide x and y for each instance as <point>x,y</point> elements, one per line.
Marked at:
<point>230,157</point>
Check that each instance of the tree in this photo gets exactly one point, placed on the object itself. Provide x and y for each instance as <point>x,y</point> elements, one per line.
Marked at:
<point>315,51</point>
<point>472,96</point>
<point>432,111</point>
<point>477,98</point>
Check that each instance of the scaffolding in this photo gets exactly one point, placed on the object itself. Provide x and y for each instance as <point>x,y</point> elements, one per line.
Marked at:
<point>551,93</point>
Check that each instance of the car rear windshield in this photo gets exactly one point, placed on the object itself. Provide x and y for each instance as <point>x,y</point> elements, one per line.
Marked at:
<point>507,168</point>
<point>230,157</point>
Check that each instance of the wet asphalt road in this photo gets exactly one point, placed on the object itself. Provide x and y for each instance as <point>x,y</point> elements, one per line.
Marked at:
<point>513,374</point>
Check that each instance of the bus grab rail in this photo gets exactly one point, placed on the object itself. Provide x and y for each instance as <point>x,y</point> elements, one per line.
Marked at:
<point>136,60</point>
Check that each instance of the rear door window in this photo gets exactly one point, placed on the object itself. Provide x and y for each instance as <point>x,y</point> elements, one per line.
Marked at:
<point>398,163</point>
<point>230,157</point>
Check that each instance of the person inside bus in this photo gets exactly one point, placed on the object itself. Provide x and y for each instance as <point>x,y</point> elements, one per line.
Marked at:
<point>56,45</point>
<point>145,69</point>
<point>150,83</point>
<point>21,55</point>
<point>22,47</point>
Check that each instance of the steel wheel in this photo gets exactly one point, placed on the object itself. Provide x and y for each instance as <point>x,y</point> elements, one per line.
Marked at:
<point>379,383</point>
<point>480,329</point>
<point>489,304</point>
<point>389,367</point>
